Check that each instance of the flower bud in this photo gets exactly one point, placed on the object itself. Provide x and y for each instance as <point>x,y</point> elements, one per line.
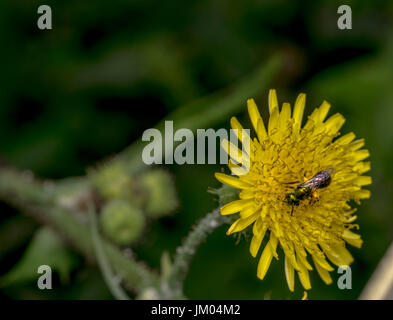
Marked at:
<point>112,181</point>
<point>121,222</point>
<point>162,198</point>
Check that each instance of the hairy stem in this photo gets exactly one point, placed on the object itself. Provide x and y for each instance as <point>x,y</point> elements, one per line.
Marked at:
<point>106,270</point>
<point>38,198</point>
<point>22,191</point>
<point>186,252</point>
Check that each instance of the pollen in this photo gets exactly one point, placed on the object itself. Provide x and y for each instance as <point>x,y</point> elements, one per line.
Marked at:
<point>282,155</point>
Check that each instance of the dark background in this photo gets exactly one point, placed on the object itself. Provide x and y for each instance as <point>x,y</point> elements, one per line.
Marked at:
<point>111,69</point>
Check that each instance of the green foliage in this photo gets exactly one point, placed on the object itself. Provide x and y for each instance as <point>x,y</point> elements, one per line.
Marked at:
<point>87,89</point>
<point>44,249</point>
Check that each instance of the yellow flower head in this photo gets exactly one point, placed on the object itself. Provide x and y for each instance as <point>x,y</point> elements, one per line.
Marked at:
<point>304,218</point>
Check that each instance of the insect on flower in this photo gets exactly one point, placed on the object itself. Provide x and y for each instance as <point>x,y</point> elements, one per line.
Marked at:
<point>285,148</point>
<point>304,190</point>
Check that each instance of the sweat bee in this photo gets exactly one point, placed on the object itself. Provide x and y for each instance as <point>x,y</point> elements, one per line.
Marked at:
<point>303,190</point>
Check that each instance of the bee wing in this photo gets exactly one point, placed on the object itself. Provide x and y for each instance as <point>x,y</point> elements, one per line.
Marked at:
<point>308,184</point>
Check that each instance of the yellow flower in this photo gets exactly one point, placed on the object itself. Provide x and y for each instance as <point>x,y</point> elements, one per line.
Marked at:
<point>282,157</point>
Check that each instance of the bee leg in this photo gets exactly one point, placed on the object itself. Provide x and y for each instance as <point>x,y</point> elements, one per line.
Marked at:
<point>314,197</point>
<point>292,211</point>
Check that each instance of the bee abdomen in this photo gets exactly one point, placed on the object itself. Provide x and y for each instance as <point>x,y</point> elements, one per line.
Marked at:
<point>321,180</point>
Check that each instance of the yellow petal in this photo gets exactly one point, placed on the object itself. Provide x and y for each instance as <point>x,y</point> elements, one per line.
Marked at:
<point>323,273</point>
<point>248,211</point>
<point>285,114</point>
<point>232,181</point>
<point>259,225</point>
<point>362,167</point>
<point>238,130</point>
<point>314,116</point>
<point>352,238</point>
<point>234,152</point>
<point>334,123</point>
<point>344,254</point>
<point>323,111</point>
<point>363,180</point>
<point>350,219</point>
<point>266,257</point>
<point>261,130</point>
<point>289,274</point>
<point>246,194</point>
<point>360,155</point>
<point>339,255</point>
<point>300,250</point>
<point>298,111</point>
<point>235,206</point>
<point>254,113</point>
<point>363,194</point>
<point>303,259</point>
<point>273,102</point>
<point>273,245</point>
<point>345,139</point>
<point>304,276</point>
<point>322,262</point>
<point>256,241</point>
<point>357,144</point>
<point>333,258</point>
<point>289,253</point>
<point>273,122</point>
<point>355,242</point>
<point>241,224</point>
<point>237,169</point>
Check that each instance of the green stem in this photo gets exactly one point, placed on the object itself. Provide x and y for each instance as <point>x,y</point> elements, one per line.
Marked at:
<point>186,252</point>
<point>37,197</point>
<point>34,197</point>
<point>109,276</point>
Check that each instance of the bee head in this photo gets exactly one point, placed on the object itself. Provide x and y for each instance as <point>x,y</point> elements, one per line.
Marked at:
<point>292,199</point>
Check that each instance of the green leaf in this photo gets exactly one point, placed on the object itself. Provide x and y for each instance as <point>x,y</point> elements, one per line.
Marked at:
<point>44,249</point>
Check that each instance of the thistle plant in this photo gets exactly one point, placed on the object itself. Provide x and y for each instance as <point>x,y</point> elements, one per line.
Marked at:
<point>316,221</point>
<point>105,213</point>
<point>295,196</point>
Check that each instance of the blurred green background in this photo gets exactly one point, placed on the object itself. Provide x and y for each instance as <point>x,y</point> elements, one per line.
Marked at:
<point>109,70</point>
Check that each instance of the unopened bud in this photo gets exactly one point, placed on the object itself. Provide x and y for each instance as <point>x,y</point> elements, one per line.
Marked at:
<point>122,222</point>
<point>162,198</point>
